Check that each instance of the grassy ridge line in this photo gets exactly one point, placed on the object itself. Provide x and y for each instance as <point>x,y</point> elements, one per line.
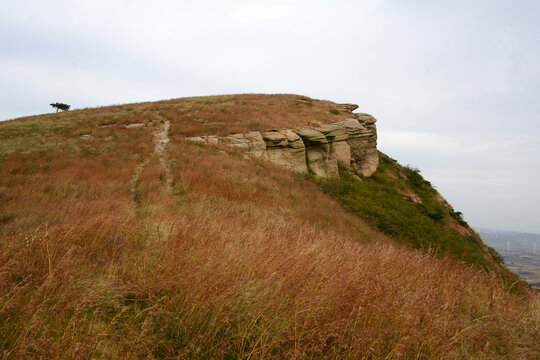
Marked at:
<point>219,115</point>
<point>242,259</point>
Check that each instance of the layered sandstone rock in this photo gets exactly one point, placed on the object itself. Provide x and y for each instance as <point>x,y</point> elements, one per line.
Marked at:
<point>362,140</point>
<point>257,145</point>
<point>337,136</point>
<point>366,156</point>
<point>320,158</point>
<point>316,150</point>
<point>286,148</point>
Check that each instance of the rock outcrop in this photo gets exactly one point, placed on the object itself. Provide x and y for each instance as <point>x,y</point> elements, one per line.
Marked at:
<point>316,150</point>
<point>362,140</point>
<point>285,148</point>
<point>320,159</point>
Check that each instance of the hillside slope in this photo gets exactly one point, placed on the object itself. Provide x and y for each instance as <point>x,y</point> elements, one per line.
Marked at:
<point>397,201</point>
<point>127,241</point>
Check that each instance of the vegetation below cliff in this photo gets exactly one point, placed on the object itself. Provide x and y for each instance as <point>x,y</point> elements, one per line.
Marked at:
<point>399,202</point>
<point>115,244</point>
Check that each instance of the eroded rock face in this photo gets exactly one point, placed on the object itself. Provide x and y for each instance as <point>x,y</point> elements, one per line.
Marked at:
<point>337,138</point>
<point>316,150</point>
<point>362,140</point>
<point>320,158</point>
<point>366,155</point>
<point>285,148</point>
<point>257,145</point>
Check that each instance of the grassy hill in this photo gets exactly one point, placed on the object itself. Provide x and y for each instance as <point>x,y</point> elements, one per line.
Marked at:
<point>127,241</point>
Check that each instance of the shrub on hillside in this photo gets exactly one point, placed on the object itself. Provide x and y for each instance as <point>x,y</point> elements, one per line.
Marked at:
<point>60,106</point>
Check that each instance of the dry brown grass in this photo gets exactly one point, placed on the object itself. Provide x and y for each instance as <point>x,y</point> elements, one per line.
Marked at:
<point>242,260</point>
<point>222,115</point>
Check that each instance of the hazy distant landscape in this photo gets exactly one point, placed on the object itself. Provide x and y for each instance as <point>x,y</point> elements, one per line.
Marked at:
<point>518,252</point>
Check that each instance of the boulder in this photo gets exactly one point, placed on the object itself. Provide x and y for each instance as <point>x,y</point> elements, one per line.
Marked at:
<point>365,118</point>
<point>274,138</point>
<point>212,140</point>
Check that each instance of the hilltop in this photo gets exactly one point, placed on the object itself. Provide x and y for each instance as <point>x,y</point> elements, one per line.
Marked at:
<point>120,238</point>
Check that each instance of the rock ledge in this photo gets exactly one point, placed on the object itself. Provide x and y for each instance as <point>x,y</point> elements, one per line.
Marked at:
<point>316,150</point>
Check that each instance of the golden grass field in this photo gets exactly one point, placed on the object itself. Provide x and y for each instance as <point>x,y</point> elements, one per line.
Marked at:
<point>233,259</point>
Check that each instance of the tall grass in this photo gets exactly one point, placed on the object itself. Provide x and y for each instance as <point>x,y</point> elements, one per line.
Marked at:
<point>241,260</point>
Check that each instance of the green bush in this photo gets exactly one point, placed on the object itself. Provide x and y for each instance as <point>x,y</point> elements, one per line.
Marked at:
<point>436,215</point>
<point>495,255</point>
<point>458,216</point>
<point>414,177</point>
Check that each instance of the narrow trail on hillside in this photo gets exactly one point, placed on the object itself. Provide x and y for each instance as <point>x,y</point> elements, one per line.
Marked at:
<point>161,140</point>
<point>135,177</point>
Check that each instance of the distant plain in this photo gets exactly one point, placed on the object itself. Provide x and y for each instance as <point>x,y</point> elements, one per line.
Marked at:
<point>521,258</point>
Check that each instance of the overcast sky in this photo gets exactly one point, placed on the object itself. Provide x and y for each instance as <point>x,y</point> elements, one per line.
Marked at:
<point>455,85</point>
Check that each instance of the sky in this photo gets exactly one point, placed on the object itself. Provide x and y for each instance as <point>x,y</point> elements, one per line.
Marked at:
<point>455,85</point>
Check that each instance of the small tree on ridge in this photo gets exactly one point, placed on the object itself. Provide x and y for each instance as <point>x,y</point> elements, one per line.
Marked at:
<point>60,106</point>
